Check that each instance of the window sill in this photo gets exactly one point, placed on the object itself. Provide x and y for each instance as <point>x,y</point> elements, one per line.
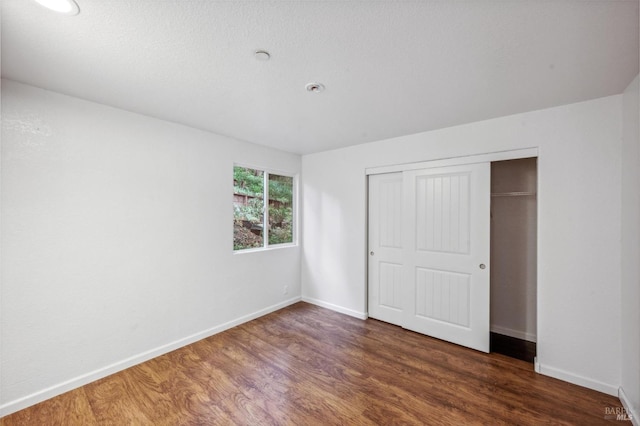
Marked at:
<point>270,248</point>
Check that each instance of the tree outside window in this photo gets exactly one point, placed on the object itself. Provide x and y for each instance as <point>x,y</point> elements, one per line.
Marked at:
<point>251,188</point>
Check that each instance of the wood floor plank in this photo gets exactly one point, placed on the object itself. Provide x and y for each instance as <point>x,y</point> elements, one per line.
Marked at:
<point>262,384</point>
<point>387,380</point>
<point>69,408</point>
<point>326,399</point>
<point>509,381</point>
<point>319,361</point>
<point>308,365</point>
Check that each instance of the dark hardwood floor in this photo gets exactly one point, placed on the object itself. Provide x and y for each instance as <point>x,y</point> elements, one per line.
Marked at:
<point>306,365</point>
<point>515,348</point>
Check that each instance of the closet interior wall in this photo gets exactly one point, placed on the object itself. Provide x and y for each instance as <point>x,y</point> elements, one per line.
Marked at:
<point>513,248</point>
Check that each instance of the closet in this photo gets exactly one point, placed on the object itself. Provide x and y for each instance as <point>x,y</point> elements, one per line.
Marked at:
<point>429,251</point>
<point>452,250</point>
<point>513,257</point>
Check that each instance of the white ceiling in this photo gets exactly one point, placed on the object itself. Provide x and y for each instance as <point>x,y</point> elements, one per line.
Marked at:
<point>390,67</point>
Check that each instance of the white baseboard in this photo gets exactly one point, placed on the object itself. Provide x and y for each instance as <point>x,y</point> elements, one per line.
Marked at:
<point>530,337</point>
<point>337,308</point>
<point>42,395</point>
<point>575,379</point>
<point>628,406</point>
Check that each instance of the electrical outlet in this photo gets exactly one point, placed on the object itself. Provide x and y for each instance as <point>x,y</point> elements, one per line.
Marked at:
<point>286,289</point>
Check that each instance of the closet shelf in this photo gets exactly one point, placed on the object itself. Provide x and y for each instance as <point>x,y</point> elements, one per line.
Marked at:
<point>512,194</point>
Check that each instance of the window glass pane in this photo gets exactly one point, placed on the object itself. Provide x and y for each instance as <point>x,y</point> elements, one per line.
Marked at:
<point>248,208</point>
<point>280,209</point>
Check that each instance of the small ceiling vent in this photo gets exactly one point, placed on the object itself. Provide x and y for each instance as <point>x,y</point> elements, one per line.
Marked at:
<point>262,55</point>
<point>315,87</point>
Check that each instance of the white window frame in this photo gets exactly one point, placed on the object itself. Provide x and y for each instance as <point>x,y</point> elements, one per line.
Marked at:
<point>294,206</point>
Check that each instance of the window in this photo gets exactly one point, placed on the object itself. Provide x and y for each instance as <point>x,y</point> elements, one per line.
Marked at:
<point>251,187</point>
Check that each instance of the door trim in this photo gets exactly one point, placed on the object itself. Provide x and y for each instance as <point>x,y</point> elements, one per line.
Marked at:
<point>455,161</point>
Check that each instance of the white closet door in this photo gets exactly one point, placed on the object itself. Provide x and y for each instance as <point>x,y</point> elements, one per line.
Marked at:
<point>446,253</point>
<point>385,247</point>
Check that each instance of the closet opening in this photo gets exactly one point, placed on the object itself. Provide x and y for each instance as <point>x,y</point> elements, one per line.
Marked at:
<point>513,258</point>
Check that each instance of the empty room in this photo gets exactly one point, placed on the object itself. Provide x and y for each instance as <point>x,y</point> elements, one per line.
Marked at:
<point>319,212</point>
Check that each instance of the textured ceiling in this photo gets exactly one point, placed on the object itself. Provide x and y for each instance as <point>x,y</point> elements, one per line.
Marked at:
<point>390,67</point>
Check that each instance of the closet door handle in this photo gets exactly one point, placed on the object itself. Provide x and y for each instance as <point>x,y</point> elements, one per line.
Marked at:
<point>482,266</point>
<point>371,253</point>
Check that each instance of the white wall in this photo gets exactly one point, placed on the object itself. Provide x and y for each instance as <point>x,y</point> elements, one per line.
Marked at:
<point>117,241</point>
<point>631,247</point>
<point>578,225</point>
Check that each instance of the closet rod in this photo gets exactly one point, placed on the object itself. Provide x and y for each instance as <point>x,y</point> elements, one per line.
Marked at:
<point>512,194</point>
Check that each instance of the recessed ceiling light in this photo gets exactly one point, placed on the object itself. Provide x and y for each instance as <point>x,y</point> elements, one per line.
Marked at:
<point>314,87</point>
<point>262,55</point>
<point>67,7</point>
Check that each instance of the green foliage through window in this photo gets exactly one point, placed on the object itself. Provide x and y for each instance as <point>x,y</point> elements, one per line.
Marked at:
<point>249,208</point>
<point>280,209</point>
